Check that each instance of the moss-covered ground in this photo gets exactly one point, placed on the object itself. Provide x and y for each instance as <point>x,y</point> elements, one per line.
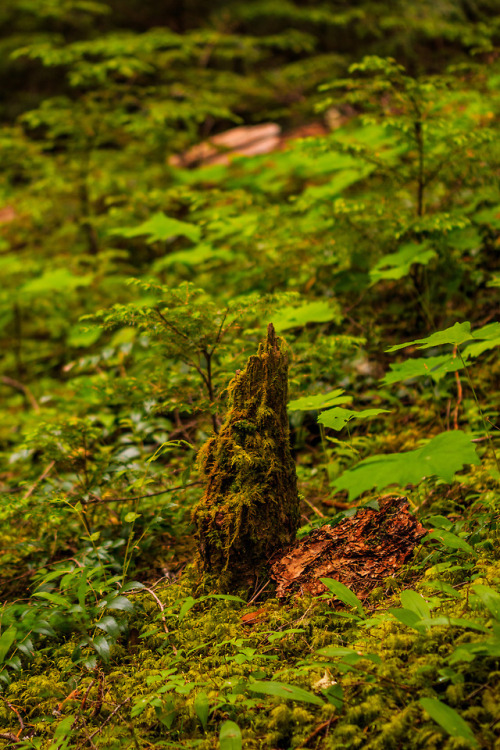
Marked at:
<point>184,666</point>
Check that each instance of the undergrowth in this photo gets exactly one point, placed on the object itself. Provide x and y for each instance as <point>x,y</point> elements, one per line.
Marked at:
<point>133,291</point>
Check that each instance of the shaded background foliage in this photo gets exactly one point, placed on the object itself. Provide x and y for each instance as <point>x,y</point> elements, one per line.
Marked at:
<point>132,288</point>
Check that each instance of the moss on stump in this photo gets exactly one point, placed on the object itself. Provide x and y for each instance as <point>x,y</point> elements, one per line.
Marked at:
<point>250,508</point>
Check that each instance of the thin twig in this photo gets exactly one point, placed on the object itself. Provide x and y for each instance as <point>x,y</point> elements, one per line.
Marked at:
<point>42,476</point>
<point>10,737</point>
<point>160,605</point>
<point>99,729</point>
<point>459,400</point>
<point>13,708</point>
<point>314,508</point>
<point>23,388</point>
<point>318,730</point>
<point>258,592</point>
<point>101,500</point>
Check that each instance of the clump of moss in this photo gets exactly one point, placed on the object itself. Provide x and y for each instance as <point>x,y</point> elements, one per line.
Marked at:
<point>250,508</point>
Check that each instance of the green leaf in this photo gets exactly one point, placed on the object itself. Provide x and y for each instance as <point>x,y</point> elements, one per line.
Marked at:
<point>344,594</point>
<point>6,640</point>
<point>489,597</point>
<point>408,617</point>
<point>319,401</point>
<point>60,281</point>
<point>335,695</point>
<point>420,367</point>
<point>413,601</point>
<point>281,690</point>
<point>450,540</point>
<point>101,645</point>
<point>442,456</point>
<point>396,265</point>
<point>60,601</point>
<point>448,719</point>
<point>131,517</point>
<point>347,655</point>
<point>63,730</point>
<point>455,335</point>
<point>456,622</point>
<point>109,625</point>
<point>187,604</point>
<point>167,713</point>
<point>160,227</point>
<point>81,337</point>
<point>337,418</point>
<point>310,312</point>
<point>230,736</point>
<point>120,602</point>
<point>194,257</point>
<point>133,585</point>
<point>202,708</point>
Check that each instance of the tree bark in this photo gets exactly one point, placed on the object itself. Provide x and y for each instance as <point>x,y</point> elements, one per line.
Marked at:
<point>250,508</point>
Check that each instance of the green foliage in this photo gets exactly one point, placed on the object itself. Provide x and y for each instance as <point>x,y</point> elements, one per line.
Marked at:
<point>136,282</point>
<point>442,456</point>
<point>448,719</point>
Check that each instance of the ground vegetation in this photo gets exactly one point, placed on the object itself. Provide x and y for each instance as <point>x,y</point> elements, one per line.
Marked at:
<point>145,414</point>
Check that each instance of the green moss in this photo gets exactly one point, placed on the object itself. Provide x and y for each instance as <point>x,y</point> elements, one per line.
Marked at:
<point>250,508</point>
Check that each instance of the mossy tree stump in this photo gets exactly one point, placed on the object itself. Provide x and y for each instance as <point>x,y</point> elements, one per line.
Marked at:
<point>250,508</point>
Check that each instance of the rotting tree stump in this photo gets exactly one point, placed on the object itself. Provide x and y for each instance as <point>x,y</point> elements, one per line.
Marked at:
<point>250,508</point>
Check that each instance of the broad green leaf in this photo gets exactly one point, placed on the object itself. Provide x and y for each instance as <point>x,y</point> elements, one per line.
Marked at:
<point>120,602</point>
<point>26,647</point>
<point>109,625</point>
<point>442,456</point>
<point>60,601</point>
<point>338,417</point>
<point>456,622</point>
<point>281,690</point>
<point>131,517</point>
<point>450,540</point>
<point>319,401</point>
<point>187,604</point>
<point>101,646</point>
<point>230,736</point>
<point>6,640</point>
<point>408,617</point>
<point>448,719</point>
<point>396,265</point>
<point>428,367</point>
<point>194,257</point>
<point>413,601</point>
<point>166,713</point>
<point>335,695</point>
<point>63,730</point>
<point>488,337</point>
<point>440,522</point>
<point>489,597</point>
<point>133,585</point>
<point>59,281</point>
<point>81,337</point>
<point>160,227</point>
<point>344,594</point>
<point>443,588</point>
<point>202,708</point>
<point>455,335</point>
<point>310,312</point>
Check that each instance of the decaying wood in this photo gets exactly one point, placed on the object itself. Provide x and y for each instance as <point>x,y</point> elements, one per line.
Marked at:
<point>250,508</point>
<point>359,552</point>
